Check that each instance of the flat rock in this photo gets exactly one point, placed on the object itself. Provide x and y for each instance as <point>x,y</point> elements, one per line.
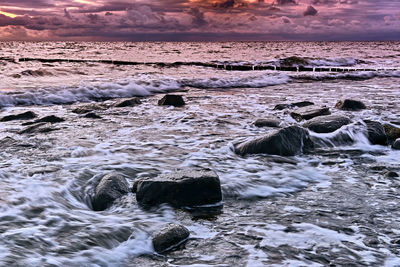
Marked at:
<point>92,115</point>
<point>267,122</point>
<point>326,124</point>
<point>50,119</point>
<point>171,100</point>
<point>392,132</point>
<point>41,127</point>
<point>288,141</point>
<point>89,108</point>
<point>349,104</point>
<point>111,187</point>
<point>376,133</point>
<point>128,102</point>
<point>184,188</point>
<point>22,116</point>
<point>307,113</point>
<point>293,105</point>
<point>169,237</point>
<point>396,144</point>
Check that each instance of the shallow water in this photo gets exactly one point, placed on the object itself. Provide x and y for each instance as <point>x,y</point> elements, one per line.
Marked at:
<point>332,206</point>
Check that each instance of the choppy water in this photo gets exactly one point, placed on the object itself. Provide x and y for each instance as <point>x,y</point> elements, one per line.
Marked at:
<point>331,207</point>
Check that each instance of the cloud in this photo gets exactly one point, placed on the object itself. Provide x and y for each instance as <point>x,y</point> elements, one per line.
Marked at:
<point>310,11</point>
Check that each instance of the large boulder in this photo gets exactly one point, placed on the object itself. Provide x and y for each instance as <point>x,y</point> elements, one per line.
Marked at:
<point>111,187</point>
<point>349,104</point>
<point>184,188</point>
<point>307,113</point>
<point>396,144</point>
<point>22,116</point>
<point>293,105</point>
<point>267,122</point>
<point>376,133</point>
<point>169,237</point>
<point>128,102</point>
<point>171,100</point>
<point>288,141</point>
<point>326,124</point>
<point>392,132</point>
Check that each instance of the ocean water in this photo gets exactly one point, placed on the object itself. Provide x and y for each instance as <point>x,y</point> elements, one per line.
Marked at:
<point>333,206</point>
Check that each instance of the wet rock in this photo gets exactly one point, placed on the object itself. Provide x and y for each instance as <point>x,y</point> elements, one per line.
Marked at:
<point>376,133</point>
<point>326,124</point>
<point>268,122</point>
<point>22,116</point>
<point>92,115</point>
<point>128,102</point>
<point>111,187</point>
<point>293,105</point>
<point>184,188</point>
<point>392,132</point>
<point>349,104</point>
<point>42,127</point>
<point>89,108</point>
<point>50,119</point>
<point>171,100</point>
<point>391,174</point>
<point>396,144</point>
<point>288,141</point>
<point>169,237</point>
<point>308,113</point>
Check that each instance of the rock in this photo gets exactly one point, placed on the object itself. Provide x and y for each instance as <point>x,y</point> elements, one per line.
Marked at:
<point>288,141</point>
<point>22,116</point>
<point>307,113</point>
<point>293,105</point>
<point>326,124</point>
<point>396,144</point>
<point>349,104</point>
<point>376,133</point>
<point>42,127</point>
<point>89,108</point>
<point>171,100</point>
<point>268,122</point>
<point>392,132</point>
<point>391,174</point>
<point>184,188</point>
<point>169,237</point>
<point>111,187</point>
<point>92,115</point>
<point>51,119</point>
<point>128,102</point>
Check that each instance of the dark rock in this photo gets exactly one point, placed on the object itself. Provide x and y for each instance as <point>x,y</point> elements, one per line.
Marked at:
<point>128,102</point>
<point>51,119</point>
<point>41,127</point>
<point>307,113</point>
<point>89,108</point>
<point>185,188</point>
<point>171,100</point>
<point>391,174</point>
<point>293,105</point>
<point>111,187</point>
<point>376,133</point>
<point>396,144</point>
<point>22,116</point>
<point>326,124</point>
<point>392,132</point>
<point>349,104</point>
<point>269,122</point>
<point>288,141</point>
<point>92,115</point>
<point>169,237</point>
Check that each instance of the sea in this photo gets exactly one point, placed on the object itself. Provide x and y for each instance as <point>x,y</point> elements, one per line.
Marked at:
<point>335,206</point>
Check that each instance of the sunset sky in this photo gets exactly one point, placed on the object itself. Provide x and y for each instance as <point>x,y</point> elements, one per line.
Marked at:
<point>200,20</point>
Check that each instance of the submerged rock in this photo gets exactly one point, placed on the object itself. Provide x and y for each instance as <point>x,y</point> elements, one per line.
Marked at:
<point>308,113</point>
<point>392,132</point>
<point>349,104</point>
<point>128,102</point>
<point>51,119</point>
<point>89,108</point>
<point>171,100</point>
<point>92,115</point>
<point>185,188</point>
<point>267,122</point>
<point>396,144</point>
<point>376,133</point>
<point>293,105</point>
<point>41,127</point>
<point>111,187</point>
<point>288,141</point>
<point>169,237</point>
<point>326,124</point>
<point>22,116</point>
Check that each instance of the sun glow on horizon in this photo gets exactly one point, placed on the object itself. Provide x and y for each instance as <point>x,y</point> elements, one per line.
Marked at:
<point>11,15</point>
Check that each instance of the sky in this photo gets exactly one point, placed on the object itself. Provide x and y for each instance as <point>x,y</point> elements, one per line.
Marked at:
<point>200,20</point>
